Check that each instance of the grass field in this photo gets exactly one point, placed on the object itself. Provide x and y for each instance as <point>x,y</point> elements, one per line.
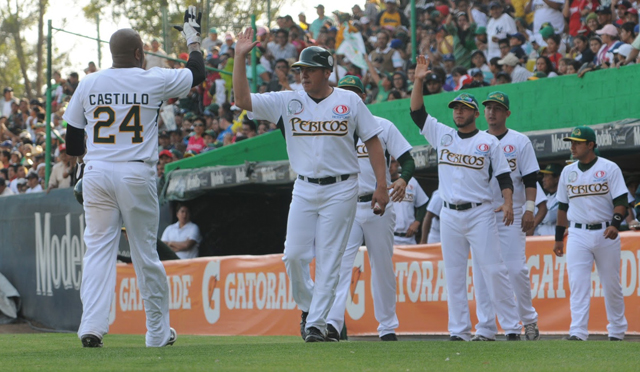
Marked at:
<point>63,352</point>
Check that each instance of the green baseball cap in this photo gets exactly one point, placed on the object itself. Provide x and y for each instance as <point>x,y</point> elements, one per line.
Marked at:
<point>555,169</point>
<point>481,31</point>
<point>466,99</point>
<point>582,134</point>
<point>213,30</point>
<point>547,32</point>
<point>498,97</point>
<point>538,75</point>
<point>210,133</point>
<point>351,81</point>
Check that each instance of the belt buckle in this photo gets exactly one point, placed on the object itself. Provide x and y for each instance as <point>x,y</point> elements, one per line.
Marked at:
<point>325,181</point>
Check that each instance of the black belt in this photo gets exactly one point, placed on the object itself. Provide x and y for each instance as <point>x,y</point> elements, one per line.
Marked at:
<point>136,161</point>
<point>365,198</point>
<point>461,207</point>
<point>402,235</point>
<point>327,180</point>
<point>595,226</point>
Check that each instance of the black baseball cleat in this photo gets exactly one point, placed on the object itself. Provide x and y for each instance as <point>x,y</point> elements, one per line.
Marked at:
<point>389,337</point>
<point>482,338</point>
<point>89,340</point>
<point>173,338</point>
<point>573,338</point>
<point>303,325</point>
<point>513,337</point>
<point>314,335</point>
<point>456,338</point>
<point>332,334</point>
<point>615,339</point>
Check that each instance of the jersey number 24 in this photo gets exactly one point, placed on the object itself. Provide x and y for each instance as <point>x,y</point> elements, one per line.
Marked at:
<point>131,123</point>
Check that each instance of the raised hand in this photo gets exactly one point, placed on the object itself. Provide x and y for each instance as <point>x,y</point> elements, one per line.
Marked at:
<point>422,68</point>
<point>244,43</point>
<point>191,27</point>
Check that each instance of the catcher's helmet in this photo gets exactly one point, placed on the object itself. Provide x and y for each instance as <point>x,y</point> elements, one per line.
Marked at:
<point>315,56</point>
<point>77,191</point>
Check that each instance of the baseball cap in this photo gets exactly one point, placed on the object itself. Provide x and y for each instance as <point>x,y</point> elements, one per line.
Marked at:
<point>510,60</point>
<point>213,30</point>
<point>165,153</point>
<point>351,81</point>
<point>210,133</point>
<point>432,77</point>
<point>498,97</point>
<point>62,147</point>
<point>624,4</point>
<point>443,9</point>
<point>6,143</point>
<point>8,89</point>
<point>538,75</point>
<point>610,30</point>
<point>603,9</point>
<point>624,50</point>
<point>555,169</point>
<point>228,36</point>
<point>481,30</point>
<point>547,32</point>
<point>262,30</point>
<point>582,134</point>
<point>476,72</point>
<point>494,4</point>
<point>632,11</point>
<point>518,36</point>
<point>449,57</point>
<point>319,6</point>
<point>466,99</point>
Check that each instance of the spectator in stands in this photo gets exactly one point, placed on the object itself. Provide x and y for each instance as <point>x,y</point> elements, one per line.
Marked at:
<point>4,190</point>
<point>72,83</point>
<point>621,10</point>
<point>282,78</point>
<point>544,64</point>
<point>249,128</point>
<point>5,157</point>
<point>609,35</point>
<point>626,32</point>
<point>209,140</point>
<point>229,45</point>
<point>281,48</point>
<point>604,15</point>
<point>505,47</point>
<point>632,16</point>
<point>574,11</point>
<point>581,51</point>
<point>158,60</point>
<point>226,124</point>
<point>33,183</point>
<point>401,84</point>
<point>183,237</point>
<point>317,24</point>
<point>463,30</point>
<point>433,84</point>
<point>563,64</point>
<point>573,67</point>
<point>211,41</point>
<point>61,171</point>
<point>460,77</point>
<point>547,11</point>
<point>511,65</point>
<point>502,77</point>
<point>196,141</point>
<point>21,186</point>
<point>478,79</point>
<point>500,25</point>
<point>391,17</point>
<point>591,21</point>
<point>384,58</point>
<point>553,45</point>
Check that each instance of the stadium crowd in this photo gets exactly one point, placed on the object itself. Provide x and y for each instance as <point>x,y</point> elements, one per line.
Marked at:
<point>468,44</point>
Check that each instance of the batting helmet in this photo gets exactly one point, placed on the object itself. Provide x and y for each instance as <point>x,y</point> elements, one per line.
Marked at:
<point>77,192</point>
<point>315,56</point>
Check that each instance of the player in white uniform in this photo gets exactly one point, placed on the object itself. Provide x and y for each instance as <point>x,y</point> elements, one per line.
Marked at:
<point>320,125</point>
<point>432,220</point>
<point>524,173</point>
<point>410,211</point>
<point>541,209</point>
<point>550,184</point>
<point>118,108</point>
<point>592,200</point>
<point>468,219</point>
<point>375,231</point>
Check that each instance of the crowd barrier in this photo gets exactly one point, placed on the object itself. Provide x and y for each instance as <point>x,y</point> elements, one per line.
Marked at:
<point>251,295</point>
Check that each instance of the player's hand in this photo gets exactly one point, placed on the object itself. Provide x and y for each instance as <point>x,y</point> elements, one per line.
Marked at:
<point>398,189</point>
<point>191,27</point>
<point>422,68</point>
<point>611,233</point>
<point>507,211</point>
<point>527,221</point>
<point>558,249</point>
<point>244,42</point>
<point>380,200</point>
<point>634,225</point>
<point>413,229</point>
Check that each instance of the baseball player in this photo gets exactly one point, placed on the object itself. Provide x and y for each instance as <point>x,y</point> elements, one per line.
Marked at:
<point>468,219</point>
<point>524,175</point>
<point>432,220</point>
<point>118,108</point>
<point>375,231</point>
<point>320,125</point>
<point>550,185</point>
<point>592,201</point>
<point>410,211</point>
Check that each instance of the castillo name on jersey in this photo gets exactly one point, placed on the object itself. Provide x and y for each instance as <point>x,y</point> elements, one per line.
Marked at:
<point>118,99</point>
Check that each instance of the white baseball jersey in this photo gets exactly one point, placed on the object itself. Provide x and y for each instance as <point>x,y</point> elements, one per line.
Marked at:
<point>590,194</point>
<point>320,136</point>
<point>522,161</point>
<point>414,197</point>
<point>393,143</point>
<point>463,164</point>
<point>435,206</point>
<point>121,123</point>
<point>548,224</point>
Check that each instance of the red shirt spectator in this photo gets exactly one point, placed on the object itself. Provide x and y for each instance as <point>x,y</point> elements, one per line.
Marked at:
<point>577,10</point>
<point>196,141</point>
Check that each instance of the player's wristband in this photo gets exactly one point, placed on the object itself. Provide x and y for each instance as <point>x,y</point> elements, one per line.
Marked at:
<point>530,206</point>
<point>560,233</point>
<point>616,221</point>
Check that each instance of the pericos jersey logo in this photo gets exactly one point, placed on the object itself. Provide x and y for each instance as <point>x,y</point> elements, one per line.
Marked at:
<point>509,149</point>
<point>341,110</point>
<point>483,148</point>
<point>599,175</point>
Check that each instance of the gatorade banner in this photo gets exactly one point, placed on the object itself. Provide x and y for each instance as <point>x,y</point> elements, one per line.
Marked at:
<point>251,295</point>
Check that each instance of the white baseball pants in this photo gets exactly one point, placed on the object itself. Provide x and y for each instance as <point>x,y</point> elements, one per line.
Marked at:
<point>583,248</point>
<point>403,240</point>
<point>319,223</point>
<point>475,229</point>
<point>377,232</point>
<point>512,247</point>
<point>117,192</point>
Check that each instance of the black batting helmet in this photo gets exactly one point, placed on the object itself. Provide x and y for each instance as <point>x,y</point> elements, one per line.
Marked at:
<point>77,191</point>
<point>315,56</point>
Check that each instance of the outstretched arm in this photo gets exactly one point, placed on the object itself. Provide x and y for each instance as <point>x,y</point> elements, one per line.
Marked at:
<point>241,90</point>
